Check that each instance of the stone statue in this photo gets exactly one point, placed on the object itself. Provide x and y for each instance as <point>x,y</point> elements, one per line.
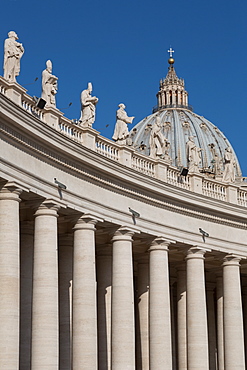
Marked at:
<point>159,146</point>
<point>229,162</point>
<point>88,107</point>
<point>49,85</point>
<point>13,52</point>
<point>121,132</point>
<point>216,162</point>
<point>193,155</point>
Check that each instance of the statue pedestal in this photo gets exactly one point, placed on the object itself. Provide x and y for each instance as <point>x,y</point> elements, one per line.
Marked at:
<point>232,194</point>
<point>89,136</point>
<point>196,182</point>
<point>12,90</point>
<point>161,170</point>
<point>52,116</point>
<point>125,155</point>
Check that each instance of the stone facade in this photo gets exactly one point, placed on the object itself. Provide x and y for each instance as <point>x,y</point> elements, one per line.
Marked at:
<point>85,284</point>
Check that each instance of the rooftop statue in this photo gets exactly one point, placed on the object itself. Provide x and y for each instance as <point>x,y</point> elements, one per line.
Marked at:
<point>121,132</point>
<point>193,155</point>
<point>229,161</point>
<point>159,146</point>
<point>88,107</point>
<point>13,52</point>
<point>49,85</point>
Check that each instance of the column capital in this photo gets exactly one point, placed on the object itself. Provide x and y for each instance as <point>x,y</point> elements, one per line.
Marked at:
<point>160,243</point>
<point>10,191</point>
<point>124,233</point>
<point>48,207</point>
<point>87,222</point>
<point>231,260</point>
<point>196,252</point>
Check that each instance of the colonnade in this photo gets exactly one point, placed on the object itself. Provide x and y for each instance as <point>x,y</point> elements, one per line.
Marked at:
<point>121,315</point>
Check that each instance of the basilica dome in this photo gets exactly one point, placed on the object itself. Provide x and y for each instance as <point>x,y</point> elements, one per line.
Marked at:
<point>178,123</point>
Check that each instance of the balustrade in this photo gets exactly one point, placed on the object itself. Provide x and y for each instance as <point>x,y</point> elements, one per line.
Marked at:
<point>107,148</point>
<point>30,106</point>
<point>174,178</point>
<point>242,197</point>
<point>142,164</point>
<point>214,190</point>
<point>71,130</point>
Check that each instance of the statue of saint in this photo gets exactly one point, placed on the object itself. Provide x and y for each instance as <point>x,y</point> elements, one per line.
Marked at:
<point>121,132</point>
<point>193,155</point>
<point>13,52</point>
<point>49,85</point>
<point>88,107</point>
<point>159,146</point>
<point>229,162</point>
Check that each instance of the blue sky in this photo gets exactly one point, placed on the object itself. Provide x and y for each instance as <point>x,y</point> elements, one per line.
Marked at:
<point>121,47</point>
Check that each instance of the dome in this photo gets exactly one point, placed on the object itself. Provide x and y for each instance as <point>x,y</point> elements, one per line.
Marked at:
<point>178,123</point>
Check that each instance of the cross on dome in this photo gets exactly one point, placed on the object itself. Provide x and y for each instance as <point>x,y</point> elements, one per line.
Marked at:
<point>170,51</point>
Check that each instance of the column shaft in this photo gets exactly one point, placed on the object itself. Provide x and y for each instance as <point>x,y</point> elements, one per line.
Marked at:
<point>233,316</point>
<point>9,277</point>
<point>143,315</point>
<point>84,295</point>
<point>45,289</point>
<point>197,333</point>
<point>65,301</point>
<point>211,326</point>
<point>181,319</point>
<point>104,277</point>
<point>159,307</point>
<point>26,289</point>
<point>220,329</point>
<point>123,324</point>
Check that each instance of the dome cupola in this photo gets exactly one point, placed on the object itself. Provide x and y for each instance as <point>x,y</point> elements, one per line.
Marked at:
<point>172,93</point>
<point>166,133</point>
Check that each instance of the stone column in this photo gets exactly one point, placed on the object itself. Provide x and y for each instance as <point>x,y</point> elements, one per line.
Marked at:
<point>197,333</point>
<point>181,318</point>
<point>104,287</point>
<point>211,325</point>
<point>220,329</point>
<point>9,277</point>
<point>84,316</point>
<point>26,289</point>
<point>173,299</point>
<point>123,324</point>
<point>45,289</point>
<point>159,306</point>
<point>143,303</point>
<point>244,292</point>
<point>233,316</point>
<point>65,264</point>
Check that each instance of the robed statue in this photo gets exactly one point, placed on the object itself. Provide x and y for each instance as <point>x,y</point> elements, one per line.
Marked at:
<point>49,85</point>
<point>88,107</point>
<point>229,164</point>
<point>121,132</point>
<point>193,155</point>
<point>159,146</point>
<point>13,52</point>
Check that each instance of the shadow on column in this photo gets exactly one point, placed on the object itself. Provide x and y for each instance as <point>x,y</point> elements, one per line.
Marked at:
<point>104,282</point>
<point>65,306</point>
<point>26,272</point>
